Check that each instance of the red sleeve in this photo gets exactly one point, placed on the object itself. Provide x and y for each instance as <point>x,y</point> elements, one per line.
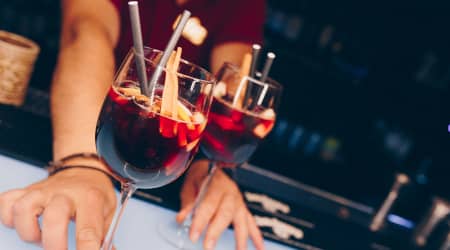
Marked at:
<point>244,22</point>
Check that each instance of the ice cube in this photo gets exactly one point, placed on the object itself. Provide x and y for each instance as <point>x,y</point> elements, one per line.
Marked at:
<point>220,89</point>
<point>198,118</point>
<point>268,114</point>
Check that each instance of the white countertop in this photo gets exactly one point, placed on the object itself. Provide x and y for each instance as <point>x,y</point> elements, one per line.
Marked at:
<point>137,230</point>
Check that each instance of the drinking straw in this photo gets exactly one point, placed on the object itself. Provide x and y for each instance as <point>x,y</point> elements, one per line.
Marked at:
<point>264,75</point>
<point>256,48</point>
<point>267,66</point>
<point>167,51</point>
<point>138,46</point>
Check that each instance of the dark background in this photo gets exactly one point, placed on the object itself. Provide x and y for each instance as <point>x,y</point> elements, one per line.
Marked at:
<point>367,95</point>
<point>366,90</point>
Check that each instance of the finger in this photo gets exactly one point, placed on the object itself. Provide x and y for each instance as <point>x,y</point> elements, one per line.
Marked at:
<point>206,210</point>
<point>55,222</point>
<point>255,232</point>
<point>181,216</point>
<point>222,219</point>
<point>188,192</point>
<point>26,211</point>
<point>89,221</point>
<point>241,230</point>
<point>7,201</point>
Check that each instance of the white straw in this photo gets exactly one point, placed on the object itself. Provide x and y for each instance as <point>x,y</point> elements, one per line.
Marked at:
<point>237,95</point>
<point>138,46</point>
<point>263,94</point>
<point>166,54</point>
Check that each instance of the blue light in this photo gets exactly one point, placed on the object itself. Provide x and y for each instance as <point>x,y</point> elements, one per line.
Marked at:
<point>400,221</point>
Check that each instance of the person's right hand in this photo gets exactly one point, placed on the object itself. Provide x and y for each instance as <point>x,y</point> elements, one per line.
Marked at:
<point>84,195</point>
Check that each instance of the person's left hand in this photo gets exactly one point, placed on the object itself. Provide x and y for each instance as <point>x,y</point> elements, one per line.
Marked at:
<point>222,205</point>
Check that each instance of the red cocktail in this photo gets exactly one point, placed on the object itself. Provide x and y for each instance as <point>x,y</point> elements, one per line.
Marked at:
<point>148,136</point>
<point>233,134</point>
<point>141,145</point>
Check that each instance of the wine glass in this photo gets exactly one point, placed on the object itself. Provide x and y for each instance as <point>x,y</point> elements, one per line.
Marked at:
<point>142,145</point>
<point>242,114</point>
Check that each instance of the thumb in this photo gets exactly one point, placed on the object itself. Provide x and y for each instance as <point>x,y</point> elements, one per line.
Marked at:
<point>188,192</point>
<point>184,212</point>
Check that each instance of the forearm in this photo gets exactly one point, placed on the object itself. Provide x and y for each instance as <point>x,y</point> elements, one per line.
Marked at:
<point>84,72</point>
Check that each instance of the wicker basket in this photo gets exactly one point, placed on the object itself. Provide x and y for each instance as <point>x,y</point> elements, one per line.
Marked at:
<point>17,57</point>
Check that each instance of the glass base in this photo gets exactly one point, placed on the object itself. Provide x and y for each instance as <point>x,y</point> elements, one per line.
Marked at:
<point>178,236</point>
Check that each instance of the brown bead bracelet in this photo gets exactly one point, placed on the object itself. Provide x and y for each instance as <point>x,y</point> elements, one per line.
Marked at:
<point>55,167</point>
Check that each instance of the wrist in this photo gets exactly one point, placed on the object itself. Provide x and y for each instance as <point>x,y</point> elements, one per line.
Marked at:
<point>89,161</point>
<point>80,157</point>
<point>65,143</point>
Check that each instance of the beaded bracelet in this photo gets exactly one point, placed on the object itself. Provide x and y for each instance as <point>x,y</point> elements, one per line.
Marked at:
<point>58,166</point>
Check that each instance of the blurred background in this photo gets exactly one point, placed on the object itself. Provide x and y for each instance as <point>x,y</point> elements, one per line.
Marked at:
<point>367,93</point>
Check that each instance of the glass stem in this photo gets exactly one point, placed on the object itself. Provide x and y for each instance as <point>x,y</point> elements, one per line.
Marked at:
<point>126,192</point>
<point>212,167</point>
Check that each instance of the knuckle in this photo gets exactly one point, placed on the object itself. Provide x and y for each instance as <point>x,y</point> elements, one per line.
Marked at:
<point>206,209</point>
<point>233,188</point>
<point>5,215</point>
<point>227,214</point>
<point>64,202</point>
<point>29,237</point>
<point>7,221</point>
<point>87,234</point>
<point>25,204</point>
<point>2,199</point>
<point>36,194</point>
<point>20,207</point>
<point>94,195</point>
<point>240,217</point>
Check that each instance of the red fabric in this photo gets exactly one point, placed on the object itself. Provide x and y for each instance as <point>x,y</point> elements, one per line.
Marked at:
<point>225,20</point>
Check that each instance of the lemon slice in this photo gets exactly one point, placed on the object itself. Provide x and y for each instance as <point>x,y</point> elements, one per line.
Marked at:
<point>129,91</point>
<point>198,118</point>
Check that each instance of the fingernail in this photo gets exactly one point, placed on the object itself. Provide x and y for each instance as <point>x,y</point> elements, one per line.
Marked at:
<point>209,245</point>
<point>195,236</point>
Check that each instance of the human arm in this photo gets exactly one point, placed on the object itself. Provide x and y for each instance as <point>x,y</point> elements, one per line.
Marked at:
<point>232,52</point>
<point>83,73</point>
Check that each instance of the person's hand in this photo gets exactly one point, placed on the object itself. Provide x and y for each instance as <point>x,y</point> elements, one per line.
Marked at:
<point>222,205</point>
<point>84,195</point>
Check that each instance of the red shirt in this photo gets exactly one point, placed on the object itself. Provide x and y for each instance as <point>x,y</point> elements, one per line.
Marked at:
<point>225,20</point>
